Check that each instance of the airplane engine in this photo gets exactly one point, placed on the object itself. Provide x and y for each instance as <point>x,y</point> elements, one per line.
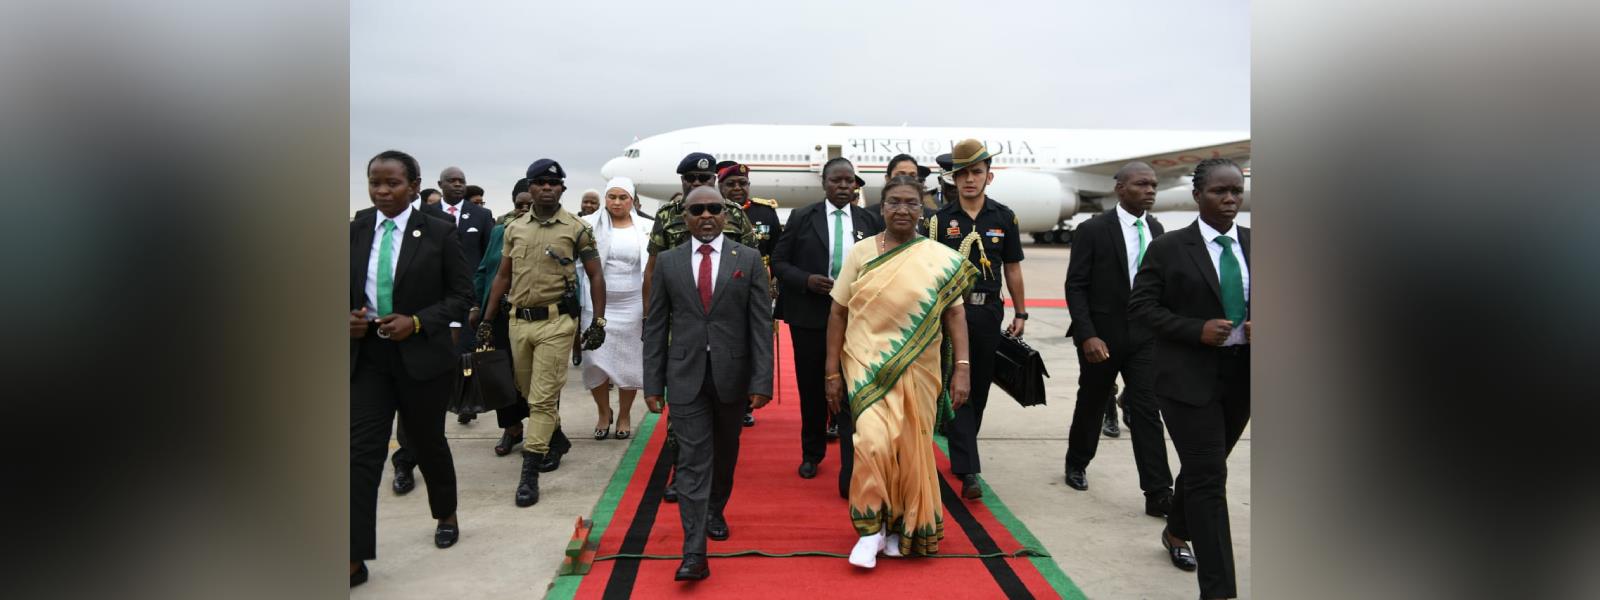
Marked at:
<point>1039,200</point>
<point>1181,197</point>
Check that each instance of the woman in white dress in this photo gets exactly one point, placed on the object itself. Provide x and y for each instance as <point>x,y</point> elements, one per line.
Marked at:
<point>622,237</point>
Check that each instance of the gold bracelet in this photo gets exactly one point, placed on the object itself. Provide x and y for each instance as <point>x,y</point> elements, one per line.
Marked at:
<point>831,377</point>
<point>964,362</point>
<point>416,324</point>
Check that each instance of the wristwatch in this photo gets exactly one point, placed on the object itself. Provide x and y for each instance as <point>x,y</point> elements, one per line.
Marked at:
<point>600,322</point>
<point>1021,315</point>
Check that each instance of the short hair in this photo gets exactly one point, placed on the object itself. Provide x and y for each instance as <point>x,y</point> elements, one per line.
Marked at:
<point>899,158</point>
<point>413,172</point>
<point>899,181</point>
<point>427,192</point>
<point>520,187</point>
<point>834,162</point>
<point>1204,169</point>
<point>473,190</point>
<point>596,193</point>
<point>1128,169</point>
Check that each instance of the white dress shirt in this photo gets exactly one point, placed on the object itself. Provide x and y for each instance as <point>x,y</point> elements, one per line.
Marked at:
<point>398,235</point>
<point>1215,250</point>
<point>1130,239</point>
<point>461,207</point>
<point>695,258</point>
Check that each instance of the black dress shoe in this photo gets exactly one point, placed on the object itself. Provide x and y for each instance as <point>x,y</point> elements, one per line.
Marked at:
<point>1182,557</point>
<point>1158,506</point>
<point>1077,479</point>
<point>693,568</point>
<point>507,443</point>
<point>446,535</point>
<point>1108,426</point>
<point>360,576</point>
<point>717,528</point>
<point>671,493</point>
<point>833,431</point>
<point>528,486</point>
<point>970,488</point>
<point>808,470</point>
<point>465,418</point>
<point>749,420</point>
<point>403,479</point>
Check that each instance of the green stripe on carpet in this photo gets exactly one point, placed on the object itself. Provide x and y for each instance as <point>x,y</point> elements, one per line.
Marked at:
<point>566,586</point>
<point>1046,565</point>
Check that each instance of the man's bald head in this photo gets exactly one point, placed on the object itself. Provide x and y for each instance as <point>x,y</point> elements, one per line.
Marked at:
<point>453,183</point>
<point>1128,170</point>
<point>705,193</point>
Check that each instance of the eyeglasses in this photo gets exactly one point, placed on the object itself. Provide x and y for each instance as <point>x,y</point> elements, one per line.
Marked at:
<point>699,177</point>
<point>547,181</point>
<point>700,209</point>
<point>916,206</point>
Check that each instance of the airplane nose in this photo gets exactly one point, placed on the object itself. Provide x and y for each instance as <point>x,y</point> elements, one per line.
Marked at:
<point>612,168</point>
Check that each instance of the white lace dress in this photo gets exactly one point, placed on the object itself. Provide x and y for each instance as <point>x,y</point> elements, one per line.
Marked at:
<point>621,358</point>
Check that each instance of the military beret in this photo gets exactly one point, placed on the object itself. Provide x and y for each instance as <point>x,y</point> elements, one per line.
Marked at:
<point>728,168</point>
<point>696,161</point>
<point>545,167</point>
<point>946,164</point>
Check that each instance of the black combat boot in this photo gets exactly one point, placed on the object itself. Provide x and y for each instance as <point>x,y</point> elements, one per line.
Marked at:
<point>528,488</point>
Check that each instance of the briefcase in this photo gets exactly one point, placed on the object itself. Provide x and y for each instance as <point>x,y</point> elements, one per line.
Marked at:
<point>1019,370</point>
<point>484,382</point>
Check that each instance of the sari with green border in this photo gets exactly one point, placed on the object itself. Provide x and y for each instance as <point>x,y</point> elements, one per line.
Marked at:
<point>897,385</point>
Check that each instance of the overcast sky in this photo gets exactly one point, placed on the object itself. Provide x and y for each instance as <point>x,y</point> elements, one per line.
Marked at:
<point>491,86</point>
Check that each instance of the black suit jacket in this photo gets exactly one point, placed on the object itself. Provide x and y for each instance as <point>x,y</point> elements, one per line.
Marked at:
<point>1175,293</point>
<point>803,251</point>
<point>1097,282</point>
<point>431,282</point>
<point>476,223</point>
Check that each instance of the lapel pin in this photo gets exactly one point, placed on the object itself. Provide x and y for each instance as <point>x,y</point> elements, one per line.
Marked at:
<point>416,233</point>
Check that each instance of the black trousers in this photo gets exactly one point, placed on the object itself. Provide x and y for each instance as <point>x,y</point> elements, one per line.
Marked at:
<point>380,388</point>
<point>1204,436</point>
<point>810,351</point>
<point>1137,366</point>
<point>707,431</point>
<point>983,340</point>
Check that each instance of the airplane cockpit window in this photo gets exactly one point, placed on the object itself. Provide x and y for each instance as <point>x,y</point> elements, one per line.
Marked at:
<point>631,153</point>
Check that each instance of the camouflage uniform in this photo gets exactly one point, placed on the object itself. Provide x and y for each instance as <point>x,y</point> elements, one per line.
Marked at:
<point>669,231</point>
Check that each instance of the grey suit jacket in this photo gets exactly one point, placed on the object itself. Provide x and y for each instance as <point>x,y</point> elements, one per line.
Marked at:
<point>738,327</point>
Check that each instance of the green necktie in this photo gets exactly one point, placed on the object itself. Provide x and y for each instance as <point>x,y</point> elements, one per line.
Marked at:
<point>838,243</point>
<point>385,270</point>
<point>1139,226</point>
<point>1232,282</point>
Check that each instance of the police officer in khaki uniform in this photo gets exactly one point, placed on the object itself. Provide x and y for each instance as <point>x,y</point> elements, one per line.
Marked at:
<point>538,270</point>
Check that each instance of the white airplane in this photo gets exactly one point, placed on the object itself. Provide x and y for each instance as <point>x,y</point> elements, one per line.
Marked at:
<point>1044,175</point>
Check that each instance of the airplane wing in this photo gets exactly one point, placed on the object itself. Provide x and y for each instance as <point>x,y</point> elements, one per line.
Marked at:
<point>1175,163</point>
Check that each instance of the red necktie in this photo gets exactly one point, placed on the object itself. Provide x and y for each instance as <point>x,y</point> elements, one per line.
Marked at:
<point>705,276</point>
<point>452,212</point>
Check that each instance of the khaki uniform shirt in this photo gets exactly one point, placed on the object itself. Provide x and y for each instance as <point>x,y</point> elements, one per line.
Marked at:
<point>538,247</point>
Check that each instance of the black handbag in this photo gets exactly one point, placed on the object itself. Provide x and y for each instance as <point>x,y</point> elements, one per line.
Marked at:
<point>1019,370</point>
<point>484,382</point>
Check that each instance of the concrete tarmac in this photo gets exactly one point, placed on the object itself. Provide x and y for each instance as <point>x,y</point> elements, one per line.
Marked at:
<point>1101,537</point>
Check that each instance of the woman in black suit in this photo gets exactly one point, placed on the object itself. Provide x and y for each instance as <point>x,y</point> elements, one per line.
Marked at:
<point>408,281</point>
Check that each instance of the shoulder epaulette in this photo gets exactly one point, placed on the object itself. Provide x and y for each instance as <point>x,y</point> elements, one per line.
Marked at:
<point>764,201</point>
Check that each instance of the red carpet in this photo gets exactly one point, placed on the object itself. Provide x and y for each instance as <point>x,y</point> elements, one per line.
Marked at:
<point>783,527</point>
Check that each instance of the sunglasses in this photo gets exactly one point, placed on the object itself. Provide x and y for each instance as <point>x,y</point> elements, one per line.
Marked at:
<point>549,181</point>
<point>700,209</point>
<point>699,177</point>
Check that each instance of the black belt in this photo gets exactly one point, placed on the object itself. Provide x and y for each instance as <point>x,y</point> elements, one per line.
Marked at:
<point>540,313</point>
<point>1237,350</point>
<point>980,298</point>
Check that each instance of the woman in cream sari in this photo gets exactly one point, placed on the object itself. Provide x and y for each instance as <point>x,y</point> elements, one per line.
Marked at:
<point>894,295</point>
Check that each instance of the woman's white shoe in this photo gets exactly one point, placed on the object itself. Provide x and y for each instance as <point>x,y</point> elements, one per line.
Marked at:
<point>865,554</point>
<point>891,545</point>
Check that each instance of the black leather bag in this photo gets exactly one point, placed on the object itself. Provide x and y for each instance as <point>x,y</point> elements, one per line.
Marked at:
<point>484,382</point>
<point>1019,370</point>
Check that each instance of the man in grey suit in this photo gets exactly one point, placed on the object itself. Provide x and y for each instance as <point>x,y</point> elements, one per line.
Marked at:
<point>708,293</point>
